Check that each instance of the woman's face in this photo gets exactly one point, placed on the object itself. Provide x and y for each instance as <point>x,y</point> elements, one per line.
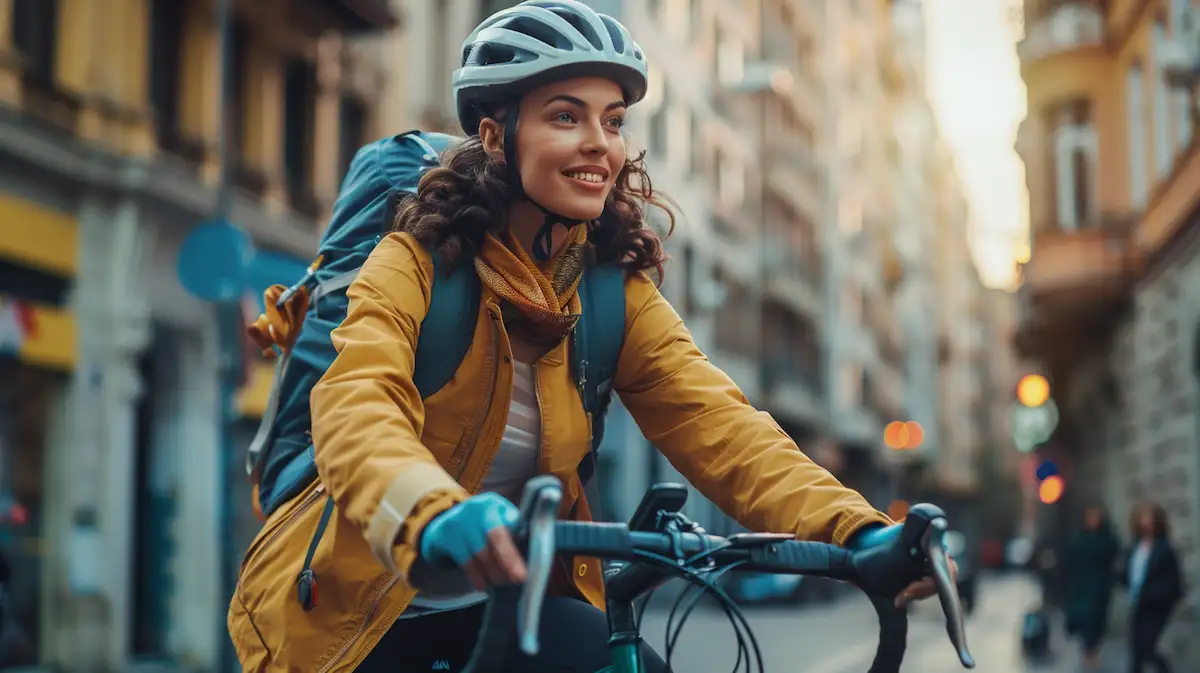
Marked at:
<point>569,145</point>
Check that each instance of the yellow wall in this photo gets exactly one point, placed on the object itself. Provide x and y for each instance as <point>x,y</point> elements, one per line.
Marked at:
<point>51,340</point>
<point>38,237</point>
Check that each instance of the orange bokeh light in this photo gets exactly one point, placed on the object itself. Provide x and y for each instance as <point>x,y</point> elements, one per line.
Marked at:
<point>1051,489</point>
<point>895,435</point>
<point>899,435</point>
<point>1033,390</point>
<point>898,510</point>
<point>916,435</point>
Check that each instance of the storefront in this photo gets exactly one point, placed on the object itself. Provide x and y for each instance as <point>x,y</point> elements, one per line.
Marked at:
<point>37,355</point>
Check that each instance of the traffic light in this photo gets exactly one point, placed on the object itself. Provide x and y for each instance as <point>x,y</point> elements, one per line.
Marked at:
<point>1035,415</point>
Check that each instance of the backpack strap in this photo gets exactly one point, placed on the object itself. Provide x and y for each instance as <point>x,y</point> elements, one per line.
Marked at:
<point>448,327</point>
<point>599,337</point>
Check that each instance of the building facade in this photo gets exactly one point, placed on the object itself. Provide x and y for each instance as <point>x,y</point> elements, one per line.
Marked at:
<point>109,419</point>
<point>1111,296</point>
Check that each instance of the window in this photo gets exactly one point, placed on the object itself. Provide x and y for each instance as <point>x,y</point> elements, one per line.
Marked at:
<point>239,108</point>
<point>1182,101</point>
<point>34,32</point>
<point>1081,172</point>
<point>1135,109</point>
<point>1074,165</point>
<point>679,134</point>
<point>731,57</point>
<point>353,129</point>
<point>166,56</point>
<point>731,181</point>
<point>850,376</point>
<point>658,133</point>
<point>300,99</point>
<point>1163,151</point>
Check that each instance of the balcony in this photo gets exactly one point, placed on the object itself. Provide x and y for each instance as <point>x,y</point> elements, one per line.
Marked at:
<point>1075,284</point>
<point>790,280</point>
<point>1068,27</point>
<point>795,174</point>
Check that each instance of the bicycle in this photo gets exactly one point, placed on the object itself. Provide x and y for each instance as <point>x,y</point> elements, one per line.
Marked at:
<point>661,543</point>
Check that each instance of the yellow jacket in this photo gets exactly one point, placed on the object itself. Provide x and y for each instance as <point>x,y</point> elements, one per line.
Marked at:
<point>392,462</point>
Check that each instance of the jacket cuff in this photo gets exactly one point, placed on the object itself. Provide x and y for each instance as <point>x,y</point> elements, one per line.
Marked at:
<point>419,492</point>
<point>852,523</point>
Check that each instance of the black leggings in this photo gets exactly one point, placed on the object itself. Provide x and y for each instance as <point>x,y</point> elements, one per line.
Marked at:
<point>573,639</point>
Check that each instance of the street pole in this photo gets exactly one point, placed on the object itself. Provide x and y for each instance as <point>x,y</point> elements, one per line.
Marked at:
<point>229,321</point>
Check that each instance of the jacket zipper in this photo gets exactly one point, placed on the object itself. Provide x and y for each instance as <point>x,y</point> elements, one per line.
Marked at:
<point>309,501</point>
<point>537,395</point>
<point>461,455</point>
<point>362,628</point>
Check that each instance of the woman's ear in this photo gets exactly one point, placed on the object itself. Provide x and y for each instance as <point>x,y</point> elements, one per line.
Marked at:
<point>491,135</point>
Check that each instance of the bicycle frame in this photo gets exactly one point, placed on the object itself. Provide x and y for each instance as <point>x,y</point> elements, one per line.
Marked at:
<point>622,589</point>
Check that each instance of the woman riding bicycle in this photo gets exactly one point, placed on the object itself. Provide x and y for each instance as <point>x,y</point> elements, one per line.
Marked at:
<point>541,187</point>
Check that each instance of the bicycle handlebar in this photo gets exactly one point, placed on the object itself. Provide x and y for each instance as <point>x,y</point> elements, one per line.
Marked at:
<point>881,572</point>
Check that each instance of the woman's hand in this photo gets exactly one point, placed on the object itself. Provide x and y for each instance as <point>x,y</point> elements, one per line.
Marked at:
<point>880,535</point>
<point>476,535</point>
<point>926,587</point>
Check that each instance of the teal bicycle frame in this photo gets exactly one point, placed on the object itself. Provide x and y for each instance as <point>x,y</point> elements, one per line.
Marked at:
<point>622,588</point>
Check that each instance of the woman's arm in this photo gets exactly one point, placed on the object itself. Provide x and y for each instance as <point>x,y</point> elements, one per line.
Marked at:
<point>737,456</point>
<point>368,415</point>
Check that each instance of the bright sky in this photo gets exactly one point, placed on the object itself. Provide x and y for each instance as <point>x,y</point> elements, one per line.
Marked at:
<point>979,99</point>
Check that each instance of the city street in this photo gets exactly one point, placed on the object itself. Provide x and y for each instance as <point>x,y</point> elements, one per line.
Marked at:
<point>840,637</point>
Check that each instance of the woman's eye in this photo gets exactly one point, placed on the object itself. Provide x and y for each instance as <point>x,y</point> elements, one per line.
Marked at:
<point>616,122</point>
<point>565,117</point>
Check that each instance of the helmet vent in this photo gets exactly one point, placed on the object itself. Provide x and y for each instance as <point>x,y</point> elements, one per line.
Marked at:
<point>486,53</point>
<point>585,29</point>
<point>540,31</point>
<point>614,34</point>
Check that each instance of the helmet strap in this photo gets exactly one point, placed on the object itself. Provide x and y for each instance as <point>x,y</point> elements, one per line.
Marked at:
<point>544,238</point>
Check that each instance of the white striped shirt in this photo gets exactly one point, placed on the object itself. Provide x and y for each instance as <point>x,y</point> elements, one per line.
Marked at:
<point>515,463</point>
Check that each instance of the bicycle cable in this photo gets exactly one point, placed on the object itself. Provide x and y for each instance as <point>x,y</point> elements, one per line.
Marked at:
<point>736,617</point>
<point>673,636</point>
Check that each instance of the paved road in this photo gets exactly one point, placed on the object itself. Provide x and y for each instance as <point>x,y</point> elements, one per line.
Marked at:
<point>840,638</point>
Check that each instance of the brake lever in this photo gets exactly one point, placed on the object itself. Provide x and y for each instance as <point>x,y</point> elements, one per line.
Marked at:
<point>539,511</point>
<point>932,543</point>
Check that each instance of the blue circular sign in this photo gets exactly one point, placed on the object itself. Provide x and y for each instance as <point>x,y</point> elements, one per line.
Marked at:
<point>1046,470</point>
<point>213,261</point>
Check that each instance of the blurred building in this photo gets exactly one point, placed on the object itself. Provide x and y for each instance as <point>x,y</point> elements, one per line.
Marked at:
<point>1111,298</point>
<point>109,431</point>
<point>795,137</point>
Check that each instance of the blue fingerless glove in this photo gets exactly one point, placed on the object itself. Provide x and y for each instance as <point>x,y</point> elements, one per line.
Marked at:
<point>875,535</point>
<point>455,536</point>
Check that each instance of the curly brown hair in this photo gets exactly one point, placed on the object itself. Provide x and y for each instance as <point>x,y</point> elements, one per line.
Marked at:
<point>469,195</point>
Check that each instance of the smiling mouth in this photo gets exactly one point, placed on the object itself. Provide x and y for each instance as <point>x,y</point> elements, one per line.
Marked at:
<point>590,178</point>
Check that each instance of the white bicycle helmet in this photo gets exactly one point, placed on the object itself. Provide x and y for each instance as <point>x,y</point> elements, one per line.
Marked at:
<point>539,41</point>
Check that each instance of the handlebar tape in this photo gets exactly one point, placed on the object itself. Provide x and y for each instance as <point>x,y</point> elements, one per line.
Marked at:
<point>893,635</point>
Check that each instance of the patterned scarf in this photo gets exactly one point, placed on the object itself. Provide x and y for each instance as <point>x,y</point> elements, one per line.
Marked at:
<point>536,299</point>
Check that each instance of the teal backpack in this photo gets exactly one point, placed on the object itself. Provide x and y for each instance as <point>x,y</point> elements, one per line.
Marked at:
<point>280,460</point>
